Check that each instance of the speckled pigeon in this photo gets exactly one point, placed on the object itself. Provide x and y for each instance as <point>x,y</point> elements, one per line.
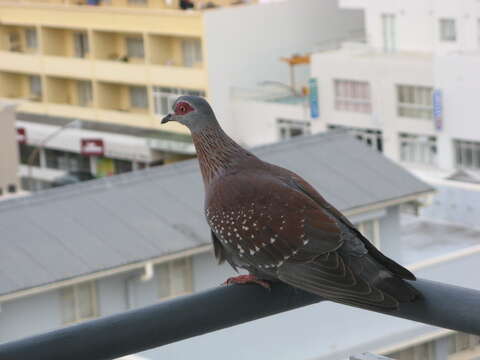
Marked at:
<point>271,222</point>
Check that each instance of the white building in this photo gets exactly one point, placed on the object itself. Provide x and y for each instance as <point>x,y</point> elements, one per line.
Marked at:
<point>409,90</point>
<point>411,87</point>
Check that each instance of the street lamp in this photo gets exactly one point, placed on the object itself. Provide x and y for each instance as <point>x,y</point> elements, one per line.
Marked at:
<point>33,155</point>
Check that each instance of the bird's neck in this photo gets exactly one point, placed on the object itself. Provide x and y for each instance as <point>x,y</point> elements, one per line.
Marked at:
<point>217,152</point>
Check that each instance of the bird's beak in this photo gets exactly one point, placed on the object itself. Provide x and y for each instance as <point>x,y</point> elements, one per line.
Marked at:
<point>167,119</point>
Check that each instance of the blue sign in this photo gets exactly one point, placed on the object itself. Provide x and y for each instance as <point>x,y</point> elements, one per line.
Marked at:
<point>314,112</point>
<point>437,109</point>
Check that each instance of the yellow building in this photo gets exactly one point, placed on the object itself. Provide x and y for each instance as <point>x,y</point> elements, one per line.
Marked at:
<point>118,65</point>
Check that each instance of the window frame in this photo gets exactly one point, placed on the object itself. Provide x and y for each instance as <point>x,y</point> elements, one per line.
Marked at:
<point>135,47</point>
<point>35,87</point>
<point>411,148</point>
<point>447,29</point>
<point>466,150</point>
<point>31,38</point>
<point>348,96</point>
<point>77,312</point>
<point>376,241</point>
<point>408,97</point>
<point>170,265</point>
<point>135,103</point>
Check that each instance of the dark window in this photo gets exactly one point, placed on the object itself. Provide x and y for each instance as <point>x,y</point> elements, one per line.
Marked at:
<point>12,188</point>
<point>67,161</point>
<point>122,166</point>
<point>25,151</point>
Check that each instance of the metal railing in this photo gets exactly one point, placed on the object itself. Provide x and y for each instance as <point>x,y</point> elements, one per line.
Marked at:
<point>442,305</point>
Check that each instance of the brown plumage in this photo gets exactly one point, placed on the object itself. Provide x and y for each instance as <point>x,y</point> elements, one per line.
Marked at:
<point>271,222</point>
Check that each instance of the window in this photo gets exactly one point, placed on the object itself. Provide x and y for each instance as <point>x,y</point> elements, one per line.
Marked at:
<point>135,47</point>
<point>14,41</point>
<point>12,188</point>
<point>415,101</point>
<point>164,98</point>
<point>35,84</point>
<point>371,230</point>
<point>122,166</point>
<point>137,2</point>
<point>448,30</point>
<point>460,342</point>
<point>84,92</point>
<point>388,28</point>
<point>68,161</point>
<point>418,149</point>
<point>25,151</point>
<point>31,38</point>
<point>138,97</point>
<point>467,154</point>
<point>291,128</point>
<point>80,40</point>
<point>425,351</point>
<point>192,52</point>
<point>174,278</point>
<point>370,137</point>
<point>352,96</point>
<point>79,302</point>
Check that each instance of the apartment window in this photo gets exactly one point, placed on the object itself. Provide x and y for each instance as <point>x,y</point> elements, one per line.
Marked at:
<point>467,154</point>
<point>352,96</point>
<point>192,52</point>
<point>448,30</point>
<point>174,278</point>
<point>415,101</point>
<point>137,2</point>
<point>370,137</point>
<point>371,230</point>
<point>425,351</point>
<point>25,151</point>
<point>79,302</point>
<point>459,342</point>
<point>135,47</point>
<point>67,161</point>
<point>84,92</point>
<point>418,149</point>
<point>35,85</point>
<point>164,97</point>
<point>12,188</point>
<point>80,40</point>
<point>14,41</point>
<point>292,128</point>
<point>138,97</point>
<point>31,38</point>
<point>388,30</point>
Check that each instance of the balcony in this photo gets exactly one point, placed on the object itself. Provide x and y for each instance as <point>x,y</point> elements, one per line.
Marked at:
<point>21,86</point>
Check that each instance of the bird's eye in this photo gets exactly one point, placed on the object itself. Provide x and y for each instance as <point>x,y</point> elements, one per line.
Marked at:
<point>183,108</point>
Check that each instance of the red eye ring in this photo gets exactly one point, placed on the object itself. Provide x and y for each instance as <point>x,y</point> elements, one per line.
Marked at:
<point>183,108</point>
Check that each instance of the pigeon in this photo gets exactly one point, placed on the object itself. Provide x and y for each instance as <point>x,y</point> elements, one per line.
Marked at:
<point>269,221</point>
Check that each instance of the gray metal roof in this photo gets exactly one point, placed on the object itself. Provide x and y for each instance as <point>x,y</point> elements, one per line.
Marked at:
<point>101,224</point>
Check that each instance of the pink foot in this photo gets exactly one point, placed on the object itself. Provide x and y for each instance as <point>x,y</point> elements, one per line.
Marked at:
<point>246,279</point>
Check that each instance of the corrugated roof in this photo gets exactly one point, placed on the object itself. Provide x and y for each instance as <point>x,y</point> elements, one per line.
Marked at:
<point>102,224</point>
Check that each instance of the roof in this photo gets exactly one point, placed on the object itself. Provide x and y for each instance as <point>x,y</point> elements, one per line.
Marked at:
<point>101,224</point>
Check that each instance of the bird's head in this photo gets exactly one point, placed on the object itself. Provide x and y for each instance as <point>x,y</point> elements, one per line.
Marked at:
<point>192,111</point>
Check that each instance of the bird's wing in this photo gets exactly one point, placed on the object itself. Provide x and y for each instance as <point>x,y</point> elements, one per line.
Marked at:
<point>310,192</point>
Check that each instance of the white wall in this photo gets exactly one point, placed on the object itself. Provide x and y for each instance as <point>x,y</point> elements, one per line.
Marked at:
<point>417,23</point>
<point>255,122</point>
<point>383,72</point>
<point>245,44</point>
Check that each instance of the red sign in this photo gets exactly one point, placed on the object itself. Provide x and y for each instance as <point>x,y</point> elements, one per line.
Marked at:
<point>21,135</point>
<point>92,147</point>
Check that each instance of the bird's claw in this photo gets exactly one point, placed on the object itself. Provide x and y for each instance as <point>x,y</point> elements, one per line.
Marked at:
<point>247,279</point>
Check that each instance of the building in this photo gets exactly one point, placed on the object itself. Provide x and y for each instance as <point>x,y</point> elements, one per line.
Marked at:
<point>9,181</point>
<point>106,257</point>
<point>118,66</point>
<point>408,90</point>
